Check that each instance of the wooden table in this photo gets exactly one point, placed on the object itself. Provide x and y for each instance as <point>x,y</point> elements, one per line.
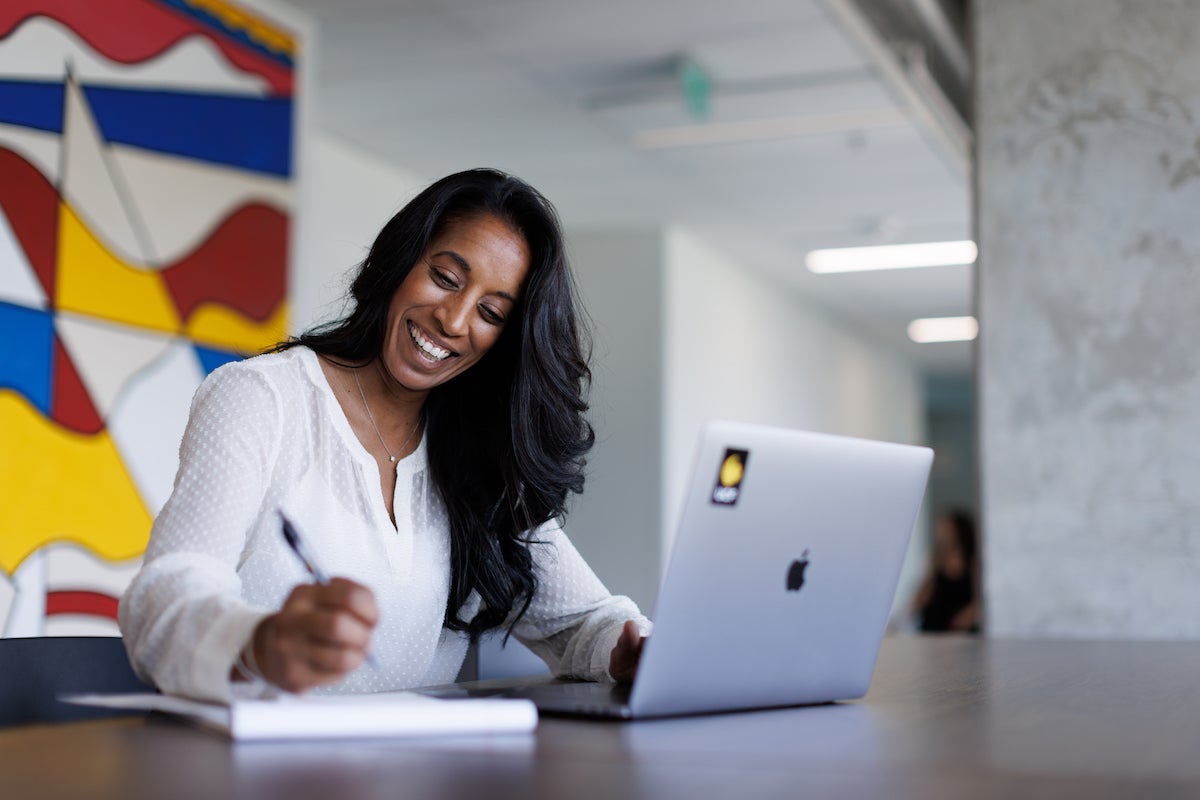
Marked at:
<point>945,718</point>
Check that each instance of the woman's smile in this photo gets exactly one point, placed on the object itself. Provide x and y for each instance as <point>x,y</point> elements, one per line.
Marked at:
<point>428,349</point>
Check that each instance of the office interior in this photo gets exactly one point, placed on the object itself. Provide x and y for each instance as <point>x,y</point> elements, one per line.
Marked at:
<point>689,253</point>
<point>838,124</point>
<point>698,152</point>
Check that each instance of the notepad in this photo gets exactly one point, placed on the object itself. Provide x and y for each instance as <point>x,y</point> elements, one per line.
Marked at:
<point>385,715</point>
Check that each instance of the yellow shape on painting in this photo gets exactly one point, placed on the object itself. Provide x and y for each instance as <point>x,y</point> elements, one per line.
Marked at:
<point>91,280</point>
<point>256,28</point>
<point>218,325</point>
<point>63,486</point>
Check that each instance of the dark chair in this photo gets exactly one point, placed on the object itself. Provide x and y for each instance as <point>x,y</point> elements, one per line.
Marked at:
<point>35,671</point>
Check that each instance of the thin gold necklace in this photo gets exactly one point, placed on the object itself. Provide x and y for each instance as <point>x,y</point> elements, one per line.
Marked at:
<point>371,417</point>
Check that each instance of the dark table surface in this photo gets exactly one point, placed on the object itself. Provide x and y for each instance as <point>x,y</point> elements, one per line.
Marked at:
<point>945,718</point>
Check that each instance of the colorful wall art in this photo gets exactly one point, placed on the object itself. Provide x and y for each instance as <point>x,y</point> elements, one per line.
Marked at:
<point>145,195</point>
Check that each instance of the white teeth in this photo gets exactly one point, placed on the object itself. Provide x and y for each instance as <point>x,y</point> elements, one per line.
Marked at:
<point>430,349</point>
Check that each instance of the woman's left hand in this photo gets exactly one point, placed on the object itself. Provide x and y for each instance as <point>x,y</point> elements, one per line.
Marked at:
<point>623,662</point>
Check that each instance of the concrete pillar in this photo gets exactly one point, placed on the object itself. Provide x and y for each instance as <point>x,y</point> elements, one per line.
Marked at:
<point>1088,215</point>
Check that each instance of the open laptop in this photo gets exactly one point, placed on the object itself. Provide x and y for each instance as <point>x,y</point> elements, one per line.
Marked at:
<point>780,580</point>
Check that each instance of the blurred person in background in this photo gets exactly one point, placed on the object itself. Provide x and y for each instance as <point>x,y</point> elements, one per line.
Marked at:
<point>948,599</point>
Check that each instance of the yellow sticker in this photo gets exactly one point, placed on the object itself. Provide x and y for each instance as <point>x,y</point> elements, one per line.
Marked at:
<point>729,477</point>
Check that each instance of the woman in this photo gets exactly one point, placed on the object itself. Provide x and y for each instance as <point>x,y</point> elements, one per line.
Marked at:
<point>948,599</point>
<point>424,446</point>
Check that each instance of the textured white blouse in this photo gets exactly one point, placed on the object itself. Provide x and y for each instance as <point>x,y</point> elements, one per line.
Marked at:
<point>268,434</point>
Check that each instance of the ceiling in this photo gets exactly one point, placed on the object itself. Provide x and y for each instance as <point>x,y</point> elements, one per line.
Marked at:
<point>815,147</point>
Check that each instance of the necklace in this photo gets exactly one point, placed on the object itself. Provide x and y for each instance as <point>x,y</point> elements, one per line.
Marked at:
<point>371,417</point>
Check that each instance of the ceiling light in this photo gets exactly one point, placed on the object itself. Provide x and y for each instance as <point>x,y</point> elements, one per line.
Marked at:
<point>892,256</point>
<point>943,329</point>
<point>756,130</point>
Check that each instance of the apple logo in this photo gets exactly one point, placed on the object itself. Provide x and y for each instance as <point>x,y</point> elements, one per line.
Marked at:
<point>795,576</point>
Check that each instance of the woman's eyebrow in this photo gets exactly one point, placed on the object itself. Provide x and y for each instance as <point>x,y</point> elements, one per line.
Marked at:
<point>462,262</point>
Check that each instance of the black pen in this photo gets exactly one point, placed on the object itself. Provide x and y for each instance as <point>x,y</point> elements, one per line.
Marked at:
<point>292,537</point>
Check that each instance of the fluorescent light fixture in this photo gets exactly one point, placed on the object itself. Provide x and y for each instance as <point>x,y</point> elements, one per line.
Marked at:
<point>891,256</point>
<point>943,329</point>
<point>757,130</point>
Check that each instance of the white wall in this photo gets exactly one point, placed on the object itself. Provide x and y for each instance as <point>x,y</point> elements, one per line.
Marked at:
<point>738,346</point>
<point>616,522</point>
<point>345,196</point>
<point>684,334</point>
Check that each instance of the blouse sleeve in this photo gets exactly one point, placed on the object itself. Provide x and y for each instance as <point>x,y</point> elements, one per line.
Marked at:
<point>573,622</point>
<point>182,617</point>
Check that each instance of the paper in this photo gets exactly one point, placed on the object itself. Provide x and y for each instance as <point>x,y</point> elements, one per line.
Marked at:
<point>395,714</point>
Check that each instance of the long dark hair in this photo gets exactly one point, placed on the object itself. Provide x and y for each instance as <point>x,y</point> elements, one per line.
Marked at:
<point>964,534</point>
<point>507,438</point>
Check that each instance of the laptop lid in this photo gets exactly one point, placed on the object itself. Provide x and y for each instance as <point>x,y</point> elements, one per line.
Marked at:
<point>783,571</point>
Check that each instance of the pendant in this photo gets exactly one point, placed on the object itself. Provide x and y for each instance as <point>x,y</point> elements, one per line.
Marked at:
<point>393,458</point>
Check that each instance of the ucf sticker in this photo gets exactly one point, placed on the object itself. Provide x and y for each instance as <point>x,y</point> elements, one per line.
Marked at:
<point>729,478</point>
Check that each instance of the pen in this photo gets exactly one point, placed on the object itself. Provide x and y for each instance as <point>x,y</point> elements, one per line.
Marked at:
<point>292,537</point>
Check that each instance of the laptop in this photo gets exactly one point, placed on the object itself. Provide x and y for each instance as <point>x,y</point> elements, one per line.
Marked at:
<point>780,581</point>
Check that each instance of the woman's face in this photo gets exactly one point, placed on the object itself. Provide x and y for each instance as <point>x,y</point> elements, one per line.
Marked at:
<point>454,303</point>
<point>949,555</point>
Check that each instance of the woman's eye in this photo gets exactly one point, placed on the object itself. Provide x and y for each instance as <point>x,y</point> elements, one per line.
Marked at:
<point>491,315</point>
<point>443,278</point>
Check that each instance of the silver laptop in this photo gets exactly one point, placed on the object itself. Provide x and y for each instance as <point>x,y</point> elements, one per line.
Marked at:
<point>780,580</point>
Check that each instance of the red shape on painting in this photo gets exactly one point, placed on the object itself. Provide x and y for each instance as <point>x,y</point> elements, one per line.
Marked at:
<point>70,404</point>
<point>243,265</point>
<point>81,601</point>
<point>31,204</point>
<point>131,31</point>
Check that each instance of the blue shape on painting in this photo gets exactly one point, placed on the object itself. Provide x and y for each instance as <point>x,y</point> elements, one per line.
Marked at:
<point>27,353</point>
<point>251,133</point>
<point>32,105</point>
<point>211,359</point>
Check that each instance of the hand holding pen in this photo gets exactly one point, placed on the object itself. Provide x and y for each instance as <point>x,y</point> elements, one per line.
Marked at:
<point>322,632</point>
<point>292,537</point>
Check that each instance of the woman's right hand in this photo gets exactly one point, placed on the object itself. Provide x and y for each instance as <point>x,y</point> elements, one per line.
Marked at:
<point>322,633</point>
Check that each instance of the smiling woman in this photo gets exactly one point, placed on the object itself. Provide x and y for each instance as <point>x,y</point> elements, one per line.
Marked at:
<point>424,445</point>
<point>446,316</point>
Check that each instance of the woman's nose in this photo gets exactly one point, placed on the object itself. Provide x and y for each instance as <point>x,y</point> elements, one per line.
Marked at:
<point>452,314</point>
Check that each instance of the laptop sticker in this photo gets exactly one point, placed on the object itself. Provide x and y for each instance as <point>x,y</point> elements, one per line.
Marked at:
<point>729,478</point>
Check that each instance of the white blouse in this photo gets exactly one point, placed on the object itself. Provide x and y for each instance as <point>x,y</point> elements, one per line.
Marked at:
<point>267,434</point>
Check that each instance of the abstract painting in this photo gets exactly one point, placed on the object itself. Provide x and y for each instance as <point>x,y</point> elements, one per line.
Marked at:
<point>146,186</point>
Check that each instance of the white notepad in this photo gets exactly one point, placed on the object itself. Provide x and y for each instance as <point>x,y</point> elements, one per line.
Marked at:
<point>394,714</point>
